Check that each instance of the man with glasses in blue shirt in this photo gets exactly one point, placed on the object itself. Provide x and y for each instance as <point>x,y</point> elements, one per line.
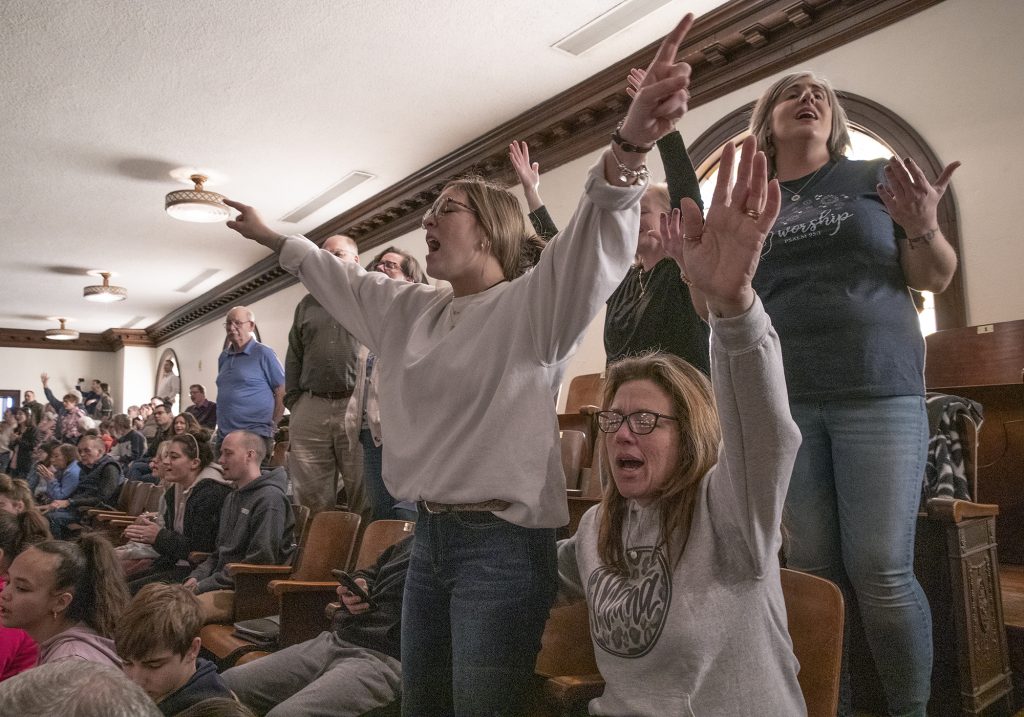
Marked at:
<point>250,382</point>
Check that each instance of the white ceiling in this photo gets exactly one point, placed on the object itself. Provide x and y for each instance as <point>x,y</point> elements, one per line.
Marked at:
<point>102,98</point>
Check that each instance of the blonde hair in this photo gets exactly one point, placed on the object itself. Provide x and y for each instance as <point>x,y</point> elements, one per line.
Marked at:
<point>761,119</point>
<point>499,213</point>
<point>693,404</point>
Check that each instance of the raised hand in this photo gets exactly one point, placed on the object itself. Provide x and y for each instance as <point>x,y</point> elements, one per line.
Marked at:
<point>45,378</point>
<point>661,95</point>
<point>718,256</point>
<point>529,174</point>
<point>250,224</point>
<point>910,198</point>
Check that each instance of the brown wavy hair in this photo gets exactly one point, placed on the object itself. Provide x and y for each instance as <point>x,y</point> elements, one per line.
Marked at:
<point>693,403</point>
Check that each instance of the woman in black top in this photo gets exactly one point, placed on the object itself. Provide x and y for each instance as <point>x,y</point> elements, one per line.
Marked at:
<point>651,309</point>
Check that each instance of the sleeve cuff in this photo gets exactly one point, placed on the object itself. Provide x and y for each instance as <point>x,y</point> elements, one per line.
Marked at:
<point>738,333</point>
<point>607,196</point>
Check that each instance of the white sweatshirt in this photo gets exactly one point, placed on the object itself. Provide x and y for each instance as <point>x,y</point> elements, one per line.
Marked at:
<point>468,384</point>
<point>708,635</point>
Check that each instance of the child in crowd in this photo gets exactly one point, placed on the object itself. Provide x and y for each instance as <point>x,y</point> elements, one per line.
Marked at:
<point>66,596</point>
<point>18,651</point>
<point>158,639</point>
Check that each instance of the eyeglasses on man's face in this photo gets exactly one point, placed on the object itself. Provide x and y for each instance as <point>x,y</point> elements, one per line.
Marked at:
<point>641,422</point>
<point>342,253</point>
<point>231,323</point>
<point>446,205</point>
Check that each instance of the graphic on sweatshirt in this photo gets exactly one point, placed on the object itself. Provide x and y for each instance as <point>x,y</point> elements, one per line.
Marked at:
<point>628,613</point>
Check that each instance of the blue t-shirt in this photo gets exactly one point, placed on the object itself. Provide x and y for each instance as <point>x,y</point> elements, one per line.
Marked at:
<point>246,380</point>
<point>831,280</point>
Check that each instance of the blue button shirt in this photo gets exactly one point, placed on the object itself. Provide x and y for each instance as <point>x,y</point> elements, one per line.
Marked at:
<point>246,380</point>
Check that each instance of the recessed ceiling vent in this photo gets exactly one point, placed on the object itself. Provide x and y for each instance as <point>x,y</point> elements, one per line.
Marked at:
<point>610,23</point>
<point>347,184</point>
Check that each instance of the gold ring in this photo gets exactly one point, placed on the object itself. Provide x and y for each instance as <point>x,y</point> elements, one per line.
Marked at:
<point>685,279</point>
<point>753,214</point>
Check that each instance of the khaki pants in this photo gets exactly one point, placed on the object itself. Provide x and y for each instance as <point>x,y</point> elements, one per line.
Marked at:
<point>217,606</point>
<point>318,451</point>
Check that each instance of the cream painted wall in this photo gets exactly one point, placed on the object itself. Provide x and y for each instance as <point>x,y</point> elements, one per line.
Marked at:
<point>952,71</point>
<point>21,369</point>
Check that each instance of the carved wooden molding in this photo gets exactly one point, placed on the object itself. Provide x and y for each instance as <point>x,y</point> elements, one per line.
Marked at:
<point>26,339</point>
<point>730,47</point>
<point>119,338</point>
<point>110,340</point>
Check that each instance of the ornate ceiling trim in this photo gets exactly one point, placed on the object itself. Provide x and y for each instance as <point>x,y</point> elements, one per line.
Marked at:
<point>110,340</point>
<point>728,48</point>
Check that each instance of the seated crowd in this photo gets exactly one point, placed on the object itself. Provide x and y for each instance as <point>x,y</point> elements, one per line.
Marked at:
<point>704,443</point>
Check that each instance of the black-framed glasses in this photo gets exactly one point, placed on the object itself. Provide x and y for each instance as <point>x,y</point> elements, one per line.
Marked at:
<point>641,422</point>
<point>387,265</point>
<point>443,205</point>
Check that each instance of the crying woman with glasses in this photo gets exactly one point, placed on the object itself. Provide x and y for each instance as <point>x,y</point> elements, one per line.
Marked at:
<point>678,563</point>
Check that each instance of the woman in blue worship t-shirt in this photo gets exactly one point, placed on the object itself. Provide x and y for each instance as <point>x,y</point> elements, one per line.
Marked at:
<point>851,237</point>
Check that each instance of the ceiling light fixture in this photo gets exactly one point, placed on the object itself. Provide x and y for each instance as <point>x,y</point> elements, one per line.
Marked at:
<point>196,205</point>
<point>105,293</point>
<point>61,334</point>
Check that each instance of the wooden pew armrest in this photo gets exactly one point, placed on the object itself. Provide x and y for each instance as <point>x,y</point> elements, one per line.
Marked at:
<point>235,569</point>
<point>947,510</point>
<point>280,587</point>
<point>570,691</point>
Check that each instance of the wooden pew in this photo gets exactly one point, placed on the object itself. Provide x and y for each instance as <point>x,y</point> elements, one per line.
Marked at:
<point>986,363</point>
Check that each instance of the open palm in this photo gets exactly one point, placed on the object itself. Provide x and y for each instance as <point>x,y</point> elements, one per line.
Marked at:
<point>719,255</point>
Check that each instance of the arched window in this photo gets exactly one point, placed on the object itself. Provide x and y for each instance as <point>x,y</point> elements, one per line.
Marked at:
<point>876,132</point>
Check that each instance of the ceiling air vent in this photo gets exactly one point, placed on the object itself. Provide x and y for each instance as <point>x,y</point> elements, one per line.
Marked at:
<point>348,183</point>
<point>604,26</point>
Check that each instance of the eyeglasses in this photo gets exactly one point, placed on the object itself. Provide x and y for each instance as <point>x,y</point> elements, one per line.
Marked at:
<point>342,253</point>
<point>443,206</point>
<point>385,265</point>
<point>231,322</point>
<point>640,423</point>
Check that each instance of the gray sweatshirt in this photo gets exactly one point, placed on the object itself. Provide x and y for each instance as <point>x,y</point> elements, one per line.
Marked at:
<point>256,526</point>
<point>707,635</point>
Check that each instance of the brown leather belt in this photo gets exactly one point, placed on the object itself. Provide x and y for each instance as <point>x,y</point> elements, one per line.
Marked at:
<point>333,395</point>
<point>491,506</point>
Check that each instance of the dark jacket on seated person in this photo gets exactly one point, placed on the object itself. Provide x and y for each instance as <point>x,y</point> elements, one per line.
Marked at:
<point>379,629</point>
<point>203,685</point>
<point>97,484</point>
<point>200,524</point>
<point>256,526</point>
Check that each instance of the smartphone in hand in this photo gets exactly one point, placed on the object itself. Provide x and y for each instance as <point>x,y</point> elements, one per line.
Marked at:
<point>355,588</point>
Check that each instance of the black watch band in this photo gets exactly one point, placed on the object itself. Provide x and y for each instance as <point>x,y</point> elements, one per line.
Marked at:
<point>626,146</point>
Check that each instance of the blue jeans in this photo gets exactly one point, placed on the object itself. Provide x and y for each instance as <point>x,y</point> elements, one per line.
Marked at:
<point>383,505</point>
<point>851,514</point>
<point>477,596</point>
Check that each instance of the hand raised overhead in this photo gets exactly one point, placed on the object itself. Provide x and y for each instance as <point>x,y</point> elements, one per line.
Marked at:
<point>719,255</point>
<point>250,224</point>
<point>662,92</point>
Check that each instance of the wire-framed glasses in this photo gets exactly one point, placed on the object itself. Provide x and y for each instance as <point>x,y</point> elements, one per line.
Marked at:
<point>641,422</point>
<point>443,205</point>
